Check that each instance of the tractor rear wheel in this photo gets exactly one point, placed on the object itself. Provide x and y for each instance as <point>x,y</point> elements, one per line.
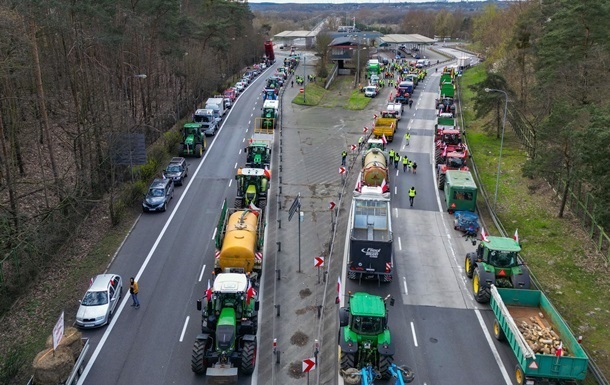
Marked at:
<point>519,376</point>
<point>498,332</point>
<point>198,362</point>
<point>181,149</point>
<point>468,266</point>
<point>348,360</point>
<point>262,204</point>
<point>384,366</point>
<point>438,156</point>
<point>441,181</point>
<point>199,150</point>
<point>480,290</point>
<point>248,357</point>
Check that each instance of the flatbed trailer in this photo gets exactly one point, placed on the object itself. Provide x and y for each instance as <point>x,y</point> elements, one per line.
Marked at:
<point>514,306</point>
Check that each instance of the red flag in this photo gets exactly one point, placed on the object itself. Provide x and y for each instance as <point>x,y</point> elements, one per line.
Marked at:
<point>267,173</point>
<point>338,299</point>
<point>516,236</point>
<point>384,186</point>
<point>484,235</point>
<point>384,140</point>
<point>250,294</point>
<point>208,292</point>
<point>559,351</point>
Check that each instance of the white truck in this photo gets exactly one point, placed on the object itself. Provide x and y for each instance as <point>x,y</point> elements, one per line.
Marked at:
<point>464,62</point>
<point>395,109</point>
<point>216,104</point>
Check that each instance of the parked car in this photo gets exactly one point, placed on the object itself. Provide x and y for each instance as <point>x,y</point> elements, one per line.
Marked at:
<point>177,170</point>
<point>370,91</point>
<point>100,301</point>
<point>240,86</point>
<point>160,192</point>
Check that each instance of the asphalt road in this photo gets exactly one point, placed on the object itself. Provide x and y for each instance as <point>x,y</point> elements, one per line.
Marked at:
<point>439,330</point>
<point>172,255</point>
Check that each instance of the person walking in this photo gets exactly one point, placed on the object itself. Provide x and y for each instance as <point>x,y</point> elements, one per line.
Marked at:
<point>360,142</point>
<point>405,163</point>
<point>391,154</point>
<point>292,83</point>
<point>343,157</point>
<point>412,194</point>
<point>396,159</point>
<point>133,289</point>
<point>407,138</point>
<point>414,167</point>
<point>410,167</point>
<point>410,102</point>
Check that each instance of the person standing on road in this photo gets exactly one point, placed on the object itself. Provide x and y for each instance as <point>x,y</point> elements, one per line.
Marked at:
<point>405,163</point>
<point>391,154</point>
<point>360,142</point>
<point>410,102</point>
<point>412,194</point>
<point>292,83</point>
<point>414,167</point>
<point>411,165</point>
<point>407,138</point>
<point>133,289</point>
<point>396,159</point>
<point>343,157</point>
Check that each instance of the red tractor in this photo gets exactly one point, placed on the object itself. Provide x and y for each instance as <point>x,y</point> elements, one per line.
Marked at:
<point>448,140</point>
<point>451,160</point>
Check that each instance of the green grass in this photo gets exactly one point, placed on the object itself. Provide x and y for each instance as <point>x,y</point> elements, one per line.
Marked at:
<point>311,97</point>
<point>357,101</point>
<point>557,251</point>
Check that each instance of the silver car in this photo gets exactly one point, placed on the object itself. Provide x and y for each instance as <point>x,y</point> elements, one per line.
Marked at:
<point>100,301</point>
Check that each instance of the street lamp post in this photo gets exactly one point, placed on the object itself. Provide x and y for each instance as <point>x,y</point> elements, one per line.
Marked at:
<point>501,140</point>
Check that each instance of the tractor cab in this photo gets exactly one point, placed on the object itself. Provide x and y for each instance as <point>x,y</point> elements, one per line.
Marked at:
<point>456,161</point>
<point>252,186</point>
<point>258,155</point>
<point>450,137</point>
<point>499,252</point>
<point>375,143</point>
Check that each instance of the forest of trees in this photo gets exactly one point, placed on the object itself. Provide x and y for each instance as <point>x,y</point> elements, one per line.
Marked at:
<point>76,75</point>
<point>552,57</point>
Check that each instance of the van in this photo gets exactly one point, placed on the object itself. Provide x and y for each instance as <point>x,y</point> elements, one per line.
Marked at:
<point>207,120</point>
<point>217,105</point>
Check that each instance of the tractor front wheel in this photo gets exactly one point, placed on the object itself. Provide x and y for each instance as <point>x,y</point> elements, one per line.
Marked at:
<point>181,149</point>
<point>480,289</point>
<point>248,357</point>
<point>198,362</point>
<point>441,181</point>
<point>199,150</point>
<point>468,266</point>
<point>384,366</point>
<point>519,376</point>
<point>348,360</point>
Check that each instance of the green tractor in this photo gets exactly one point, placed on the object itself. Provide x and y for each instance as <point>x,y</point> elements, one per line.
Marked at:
<point>270,114</point>
<point>364,336</point>
<point>252,187</point>
<point>227,343</point>
<point>258,154</point>
<point>193,140</point>
<point>496,262</point>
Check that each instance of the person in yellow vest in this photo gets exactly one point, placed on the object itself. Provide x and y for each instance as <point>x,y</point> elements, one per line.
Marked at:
<point>412,194</point>
<point>407,138</point>
<point>391,154</point>
<point>410,166</point>
<point>405,163</point>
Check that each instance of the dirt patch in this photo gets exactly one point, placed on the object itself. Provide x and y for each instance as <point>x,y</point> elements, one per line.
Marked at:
<point>299,338</point>
<point>295,370</point>
<point>305,293</point>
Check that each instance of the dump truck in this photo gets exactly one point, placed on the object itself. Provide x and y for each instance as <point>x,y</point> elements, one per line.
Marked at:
<point>239,241</point>
<point>269,52</point>
<point>460,191</point>
<point>385,125</point>
<point>229,322</point>
<point>518,322</point>
<point>193,141</point>
<point>252,187</point>
<point>370,232</point>
<point>364,335</point>
<point>496,262</point>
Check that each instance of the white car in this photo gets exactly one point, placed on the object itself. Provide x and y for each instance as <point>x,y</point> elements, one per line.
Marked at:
<point>370,91</point>
<point>240,87</point>
<point>100,301</point>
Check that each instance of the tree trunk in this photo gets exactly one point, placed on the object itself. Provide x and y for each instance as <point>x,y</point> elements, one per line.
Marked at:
<point>564,198</point>
<point>9,180</point>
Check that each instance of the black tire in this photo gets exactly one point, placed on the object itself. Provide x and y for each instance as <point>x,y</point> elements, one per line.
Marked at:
<point>483,294</point>
<point>198,362</point>
<point>348,360</point>
<point>441,181</point>
<point>248,357</point>
<point>468,266</point>
<point>262,204</point>
<point>164,209</point>
<point>384,366</point>
<point>438,156</point>
<point>181,149</point>
<point>239,202</point>
<point>498,332</point>
<point>198,150</point>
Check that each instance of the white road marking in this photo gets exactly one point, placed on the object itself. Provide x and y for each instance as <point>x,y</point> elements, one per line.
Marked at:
<point>395,212</point>
<point>413,332</point>
<point>243,140</point>
<point>404,283</point>
<point>203,269</point>
<point>397,172</point>
<point>249,121</point>
<point>186,322</point>
<point>230,182</point>
<point>235,165</point>
<point>214,235</point>
<point>399,244</point>
<point>494,351</point>
<point>239,152</point>
<point>395,190</point>
<point>247,129</point>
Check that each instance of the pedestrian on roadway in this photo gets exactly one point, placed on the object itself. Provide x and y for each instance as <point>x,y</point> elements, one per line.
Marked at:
<point>412,194</point>
<point>396,159</point>
<point>391,153</point>
<point>410,102</point>
<point>407,138</point>
<point>405,163</point>
<point>292,83</point>
<point>133,289</point>
<point>360,142</point>
<point>343,157</point>
<point>414,167</point>
<point>411,165</point>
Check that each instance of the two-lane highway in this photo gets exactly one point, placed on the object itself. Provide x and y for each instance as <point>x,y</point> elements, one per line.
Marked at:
<point>172,255</point>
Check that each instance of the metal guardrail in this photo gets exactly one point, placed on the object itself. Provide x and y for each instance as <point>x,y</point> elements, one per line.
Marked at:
<point>593,368</point>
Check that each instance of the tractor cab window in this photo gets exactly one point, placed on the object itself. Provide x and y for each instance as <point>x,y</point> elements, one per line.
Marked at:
<point>455,162</point>
<point>502,258</point>
<point>367,325</point>
<point>451,139</point>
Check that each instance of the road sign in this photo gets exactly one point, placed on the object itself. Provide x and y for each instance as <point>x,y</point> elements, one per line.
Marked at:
<point>309,364</point>
<point>365,129</point>
<point>318,261</point>
<point>331,205</point>
<point>58,331</point>
<point>302,90</point>
<point>353,147</point>
<point>341,170</point>
<point>296,205</point>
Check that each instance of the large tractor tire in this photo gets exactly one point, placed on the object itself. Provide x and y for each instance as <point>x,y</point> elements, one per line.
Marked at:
<point>441,181</point>
<point>198,150</point>
<point>181,149</point>
<point>384,366</point>
<point>519,376</point>
<point>498,332</point>
<point>198,361</point>
<point>348,360</point>
<point>481,292</point>
<point>248,357</point>
<point>438,156</point>
<point>468,265</point>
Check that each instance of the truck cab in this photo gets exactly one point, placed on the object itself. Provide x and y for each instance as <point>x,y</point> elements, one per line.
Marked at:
<point>207,120</point>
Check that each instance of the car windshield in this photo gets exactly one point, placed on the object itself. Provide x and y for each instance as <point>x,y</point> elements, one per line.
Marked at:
<point>155,192</point>
<point>174,168</point>
<point>367,325</point>
<point>95,298</point>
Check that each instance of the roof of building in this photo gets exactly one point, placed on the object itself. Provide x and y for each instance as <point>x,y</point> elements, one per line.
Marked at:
<point>406,39</point>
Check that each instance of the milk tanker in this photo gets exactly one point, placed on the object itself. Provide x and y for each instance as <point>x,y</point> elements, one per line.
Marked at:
<point>374,168</point>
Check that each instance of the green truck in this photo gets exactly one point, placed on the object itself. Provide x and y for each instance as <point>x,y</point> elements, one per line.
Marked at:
<point>460,191</point>
<point>516,310</point>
